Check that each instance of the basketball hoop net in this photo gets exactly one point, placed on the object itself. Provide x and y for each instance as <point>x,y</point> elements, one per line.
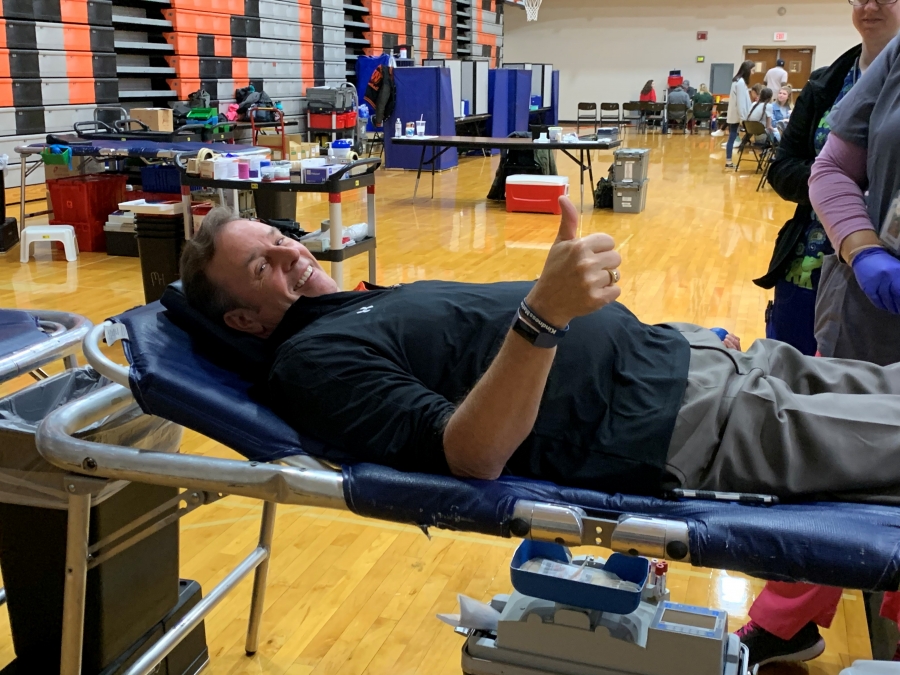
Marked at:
<point>531,9</point>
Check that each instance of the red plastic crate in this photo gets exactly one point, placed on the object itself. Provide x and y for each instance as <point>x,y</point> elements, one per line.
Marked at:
<point>323,120</point>
<point>86,198</point>
<point>90,234</point>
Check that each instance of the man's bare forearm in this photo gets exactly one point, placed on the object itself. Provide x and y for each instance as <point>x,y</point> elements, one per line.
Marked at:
<point>499,412</point>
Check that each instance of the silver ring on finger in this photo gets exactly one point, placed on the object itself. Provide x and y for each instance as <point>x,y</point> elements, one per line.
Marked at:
<point>614,276</point>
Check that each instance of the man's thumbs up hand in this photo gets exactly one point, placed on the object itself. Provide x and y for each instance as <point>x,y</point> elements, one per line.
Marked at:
<point>579,275</point>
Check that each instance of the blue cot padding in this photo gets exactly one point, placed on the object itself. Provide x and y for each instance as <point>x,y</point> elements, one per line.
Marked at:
<point>170,379</point>
<point>835,544</point>
<point>839,544</point>
<point>150,149</point>
<point>18,330</point>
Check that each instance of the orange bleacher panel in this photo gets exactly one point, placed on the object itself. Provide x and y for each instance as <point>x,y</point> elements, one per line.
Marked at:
<point>483,38</point>
<point>190,21</point>
<point>382,25</point>
<point>240,69</point>
<point>235,7</point>
<point>192,44</point>
<point>425,16</point>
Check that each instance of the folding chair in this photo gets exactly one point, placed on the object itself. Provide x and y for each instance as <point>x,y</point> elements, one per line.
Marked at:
<point>587,112</point>
<point>610,114</point>
<point>702,113</point>
<point>654,112</point>
<point>678,115</point>
<point>721,114</point>
<point>760,149</point>
<point>769,153</point>
<point>633,107</point>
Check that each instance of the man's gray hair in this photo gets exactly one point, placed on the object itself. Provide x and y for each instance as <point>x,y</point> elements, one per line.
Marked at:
<point>201,292</point>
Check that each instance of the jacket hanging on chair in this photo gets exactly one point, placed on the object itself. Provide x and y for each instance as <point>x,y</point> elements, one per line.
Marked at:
<point>380,94</point>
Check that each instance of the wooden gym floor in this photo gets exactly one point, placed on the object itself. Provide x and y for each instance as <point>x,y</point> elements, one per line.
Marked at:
<point>351,596</point>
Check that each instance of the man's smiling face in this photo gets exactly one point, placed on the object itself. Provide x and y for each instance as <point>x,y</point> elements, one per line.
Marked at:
<point>265,272</point>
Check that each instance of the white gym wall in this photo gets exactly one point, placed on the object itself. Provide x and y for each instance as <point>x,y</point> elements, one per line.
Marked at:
<point>606,50</point>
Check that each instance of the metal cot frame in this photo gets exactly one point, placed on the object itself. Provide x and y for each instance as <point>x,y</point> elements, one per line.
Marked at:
<point>299,480</point>
<point>67,331</point>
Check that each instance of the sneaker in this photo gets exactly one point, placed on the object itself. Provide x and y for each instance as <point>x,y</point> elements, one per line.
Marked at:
<point>766,648</point>
<point>729,165</point>
<point>718,132</point>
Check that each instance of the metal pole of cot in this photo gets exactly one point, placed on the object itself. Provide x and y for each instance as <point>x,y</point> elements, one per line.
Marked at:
<point>370,212</point>
<point>336,232</point>
<point>257,600</point>
<point>22,179</point>
<point>76,578</point>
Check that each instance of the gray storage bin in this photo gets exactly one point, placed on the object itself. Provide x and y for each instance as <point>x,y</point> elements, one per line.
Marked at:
<point>631,164</point>
<point>630,197</point>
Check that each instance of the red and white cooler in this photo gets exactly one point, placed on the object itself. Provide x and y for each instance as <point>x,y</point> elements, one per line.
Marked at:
<point>535,194</point>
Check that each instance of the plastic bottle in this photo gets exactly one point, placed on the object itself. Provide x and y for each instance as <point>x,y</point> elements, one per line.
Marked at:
<point>398,128</point>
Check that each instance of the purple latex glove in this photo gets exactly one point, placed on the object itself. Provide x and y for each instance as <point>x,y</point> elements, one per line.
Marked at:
<point>878,274</point>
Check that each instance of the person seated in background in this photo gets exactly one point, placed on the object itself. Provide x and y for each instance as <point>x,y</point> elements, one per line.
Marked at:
<point>762,111</point>
<point>703,96</point>
<point>551,379</point>
<point>691,92</point>
<point>754,92</point>
<point>648,93</point>
<point>781,110</point>
<point>679,96</point>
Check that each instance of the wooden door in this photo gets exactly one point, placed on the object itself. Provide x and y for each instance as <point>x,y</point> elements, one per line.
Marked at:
<point>764,60</point>
<point>798,64</point>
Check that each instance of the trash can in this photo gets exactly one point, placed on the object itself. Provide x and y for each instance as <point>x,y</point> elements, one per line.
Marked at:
<point>630,197</point>
<point>128,595</point>
<point>631,164</point>
<point>275,205</point>
<point>159,240</point>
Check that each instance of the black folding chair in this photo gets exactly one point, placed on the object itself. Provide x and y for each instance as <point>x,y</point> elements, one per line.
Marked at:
<point>702,113</point>
<point>678,115</point>
<point>758,141</point>
<point>654,112</point>
<point>721,115</point>
<point>587,114</point>
<point>634,108</point>
<point>610,113</point>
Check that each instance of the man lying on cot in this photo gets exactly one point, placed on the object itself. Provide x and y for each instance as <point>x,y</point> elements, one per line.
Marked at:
<point>550,379</point>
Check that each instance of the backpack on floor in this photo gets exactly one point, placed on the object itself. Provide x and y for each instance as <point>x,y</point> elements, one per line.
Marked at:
<point>603,193</point>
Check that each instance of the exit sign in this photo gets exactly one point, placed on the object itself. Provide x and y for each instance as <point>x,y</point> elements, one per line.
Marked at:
<point>780,37</point>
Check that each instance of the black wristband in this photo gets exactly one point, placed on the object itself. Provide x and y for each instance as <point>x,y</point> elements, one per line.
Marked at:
<point>539,323</point>
<point>535,330</point>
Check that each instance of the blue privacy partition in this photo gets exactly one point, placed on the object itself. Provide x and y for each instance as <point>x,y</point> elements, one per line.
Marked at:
<point>520,98</point>
<point>500,102</point>
<point>553,115</point>
<point>421,92</point>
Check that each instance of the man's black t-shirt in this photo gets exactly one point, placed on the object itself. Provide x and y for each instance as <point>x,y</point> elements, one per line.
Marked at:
<point>379,373</point>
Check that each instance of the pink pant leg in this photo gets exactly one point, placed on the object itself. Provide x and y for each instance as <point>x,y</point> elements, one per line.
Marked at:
<point>784,608</point>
